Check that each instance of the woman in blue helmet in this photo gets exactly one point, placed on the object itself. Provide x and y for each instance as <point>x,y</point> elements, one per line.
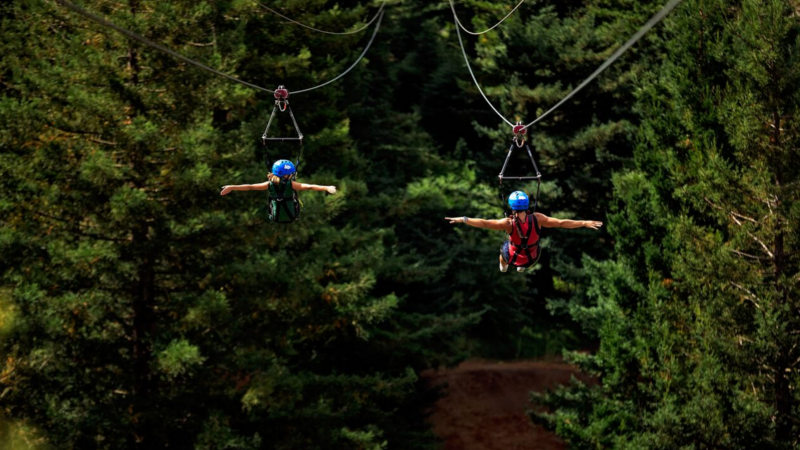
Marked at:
<point>521,249</point>
<point>282,191</point>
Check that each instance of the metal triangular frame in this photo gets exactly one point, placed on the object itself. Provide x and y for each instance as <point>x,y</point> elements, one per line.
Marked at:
<point>519,142</point>
<point>282,105</point>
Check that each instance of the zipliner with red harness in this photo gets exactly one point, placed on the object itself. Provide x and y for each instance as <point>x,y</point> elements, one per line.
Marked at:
<point>523,228</point>
<point>524,225</point>
<point>521,249</point>
<point>523,242</point>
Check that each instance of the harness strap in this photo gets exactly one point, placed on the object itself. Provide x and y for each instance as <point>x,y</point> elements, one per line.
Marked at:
<point>285,205</point>
<point>280,199</point>
<point>523,245</point>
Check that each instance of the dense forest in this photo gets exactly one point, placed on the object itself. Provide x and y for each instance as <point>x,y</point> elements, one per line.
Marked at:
<point>141,309</point>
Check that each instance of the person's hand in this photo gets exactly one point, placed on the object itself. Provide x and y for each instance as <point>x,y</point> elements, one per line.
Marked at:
<point>226,190</point>
<point>593,224</point>
<point>456,219</point>
<point>330,189</point>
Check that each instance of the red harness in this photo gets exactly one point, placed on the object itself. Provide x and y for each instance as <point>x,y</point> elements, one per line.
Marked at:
<point>523,250</point>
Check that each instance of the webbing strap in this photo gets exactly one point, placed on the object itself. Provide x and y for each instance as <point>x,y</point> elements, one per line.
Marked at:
<point>523,244</point>
<point>282,203</point>
<point>280,199</point>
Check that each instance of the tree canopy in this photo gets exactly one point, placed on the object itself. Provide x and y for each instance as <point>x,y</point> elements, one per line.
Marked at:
<point>140,309</point>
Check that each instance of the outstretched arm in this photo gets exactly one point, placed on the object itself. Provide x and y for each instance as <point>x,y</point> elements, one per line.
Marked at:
<point>552,222</point>
<point>313,187</point>
<point>244,187</point>
<point>490,224</point>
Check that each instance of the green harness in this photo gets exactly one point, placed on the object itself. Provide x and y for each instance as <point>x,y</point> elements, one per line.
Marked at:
<point>283,204</point>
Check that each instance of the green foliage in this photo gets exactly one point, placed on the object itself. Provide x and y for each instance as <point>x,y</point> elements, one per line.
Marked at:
<point>696,314</point>
<point>178,358</point>
<point>19,435</point>
<point>145,310</point>
<point>364,439</point>
<point>139,307</point>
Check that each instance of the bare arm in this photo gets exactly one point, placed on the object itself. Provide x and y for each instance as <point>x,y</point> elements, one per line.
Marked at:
<point>552,222</point>
<point>490,224</point>
<point>313,187</point>
<point>244,187</point>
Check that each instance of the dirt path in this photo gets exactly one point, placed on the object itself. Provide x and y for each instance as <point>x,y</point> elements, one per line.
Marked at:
<point>485,402</point>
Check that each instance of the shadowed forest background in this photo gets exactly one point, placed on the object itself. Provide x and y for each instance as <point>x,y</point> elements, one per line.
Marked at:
<point>139,309</point>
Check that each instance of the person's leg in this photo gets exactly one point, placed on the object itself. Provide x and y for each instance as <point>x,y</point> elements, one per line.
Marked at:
<point>504,257</point>
<point>503,264</point>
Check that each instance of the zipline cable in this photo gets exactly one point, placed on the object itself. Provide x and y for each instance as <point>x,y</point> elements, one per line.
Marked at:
<point>323,31</point>
<point>155,45</point>
<point>200,65</point>
<point>647,26</point>
<point>469,68</point>
<point>644,29</point>
<point>490,28</point>
<point>360,57</point>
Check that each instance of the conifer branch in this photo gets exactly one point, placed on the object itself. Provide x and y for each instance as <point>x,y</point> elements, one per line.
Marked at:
<point>101,141</point>
<point>96,140</point>
<point>201,44</point>
<point>747,255</point>
<point>6,375</point>
<point>750,295</point>
<point>70,228</point>
<point>770,202</point>
<point>734,215</point>
<point>796,361</point>
<point>741,216</point>
<point>763,246</point>
<point>712,204</point>
<point>754,237</point>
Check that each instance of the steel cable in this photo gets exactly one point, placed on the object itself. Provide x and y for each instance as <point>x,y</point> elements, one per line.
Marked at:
<point>641,32</point>
<point>200,65</point>
<point>340,33</point>
<point>488,29</point>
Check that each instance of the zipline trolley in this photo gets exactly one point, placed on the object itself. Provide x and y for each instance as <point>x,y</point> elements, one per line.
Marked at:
<point>281,95</point>
<point>520,131</point>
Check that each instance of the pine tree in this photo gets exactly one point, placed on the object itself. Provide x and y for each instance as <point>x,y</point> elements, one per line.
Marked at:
<point>148,311</point>
<point>697,314</point>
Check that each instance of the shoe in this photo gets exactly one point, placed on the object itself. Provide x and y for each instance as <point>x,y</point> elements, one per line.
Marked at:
<point>503,265</point>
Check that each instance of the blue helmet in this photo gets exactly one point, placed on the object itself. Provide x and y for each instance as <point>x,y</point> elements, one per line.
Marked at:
<point>283,167</point>
<point>518,201</point>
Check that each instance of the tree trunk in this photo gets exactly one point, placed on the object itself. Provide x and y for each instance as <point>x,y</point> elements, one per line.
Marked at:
<point>143,292</point>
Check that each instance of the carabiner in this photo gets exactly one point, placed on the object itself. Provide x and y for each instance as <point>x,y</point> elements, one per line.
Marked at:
<point>281,97</point>
<point>519,131</point>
